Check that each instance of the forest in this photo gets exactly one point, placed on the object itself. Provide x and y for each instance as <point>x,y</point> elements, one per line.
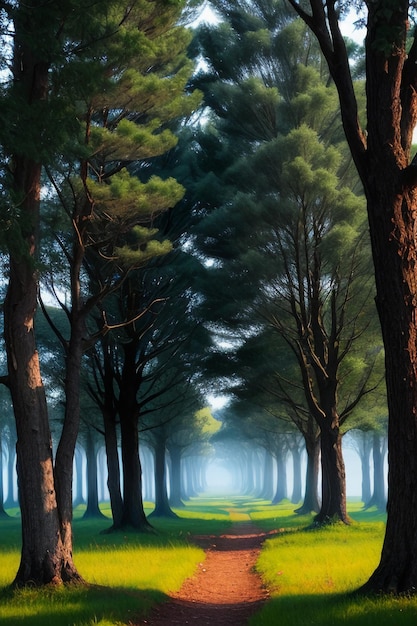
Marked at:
<point>200,202</point>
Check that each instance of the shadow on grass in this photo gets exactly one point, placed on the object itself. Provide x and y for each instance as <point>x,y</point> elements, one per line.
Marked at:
<point>76,605</point>
<point>336,610</point>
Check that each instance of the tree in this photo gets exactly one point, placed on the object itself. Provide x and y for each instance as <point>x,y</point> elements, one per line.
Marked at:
<point>78,85</point>
<point>382,155</point>
<point>297,244</point>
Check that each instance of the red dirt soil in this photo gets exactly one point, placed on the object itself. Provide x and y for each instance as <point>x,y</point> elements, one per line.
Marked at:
<point>225,590</point>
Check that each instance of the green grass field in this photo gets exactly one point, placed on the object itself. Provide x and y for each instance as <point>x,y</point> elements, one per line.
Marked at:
<point>311,574</point>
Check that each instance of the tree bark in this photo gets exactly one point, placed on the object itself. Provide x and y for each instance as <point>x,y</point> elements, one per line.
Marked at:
<point>44,556</point>
<point>133,512</point>
<point>113,467</point>
<point>392,210</point>
<point>333,506</point>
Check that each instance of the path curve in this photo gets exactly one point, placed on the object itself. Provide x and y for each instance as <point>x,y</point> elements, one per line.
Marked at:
<point>225,590</point>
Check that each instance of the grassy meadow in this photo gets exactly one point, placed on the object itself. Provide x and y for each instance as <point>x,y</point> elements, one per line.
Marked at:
<point>311,574</point>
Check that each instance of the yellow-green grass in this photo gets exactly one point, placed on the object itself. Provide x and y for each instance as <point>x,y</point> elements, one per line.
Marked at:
<point>313,575</point>
<point>127,573</point>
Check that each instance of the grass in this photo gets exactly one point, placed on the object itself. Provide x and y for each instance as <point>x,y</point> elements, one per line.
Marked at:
<point>127,573</point>
<point>311,574</point>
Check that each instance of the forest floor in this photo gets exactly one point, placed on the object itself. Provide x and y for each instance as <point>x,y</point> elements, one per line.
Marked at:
<point>225,590</point>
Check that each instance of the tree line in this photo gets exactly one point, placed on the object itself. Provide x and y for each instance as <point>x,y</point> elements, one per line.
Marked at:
<point>205,229</point>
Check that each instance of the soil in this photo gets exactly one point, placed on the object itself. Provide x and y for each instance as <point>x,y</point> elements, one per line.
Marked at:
<point>225,590</point>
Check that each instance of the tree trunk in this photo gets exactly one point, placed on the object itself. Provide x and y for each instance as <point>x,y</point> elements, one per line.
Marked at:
<point>267,491</point>
<point>311,500</point>
<point>379,451</point>
<point>113,468</point>
<point>64,460</point>
<point>148,473</point>
<point>108,411</point>
<point>93,509</point>
<point>333,505</point>
<point>296,464</point>
<point>175,494</point>
<point>162,508</point>
<point>44,557</point>
<point>378,498</point>
<point>364,454</point>
<point>79,498</point>
<point>281,492</point>
<point>133,512</point>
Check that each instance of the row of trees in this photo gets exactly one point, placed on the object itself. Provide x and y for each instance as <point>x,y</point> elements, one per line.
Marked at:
<point>265,254</point>
<point>285,229</point>
<point>253,462</point>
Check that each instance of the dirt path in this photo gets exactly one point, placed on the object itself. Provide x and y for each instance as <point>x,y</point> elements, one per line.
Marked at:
<point>225,590</point>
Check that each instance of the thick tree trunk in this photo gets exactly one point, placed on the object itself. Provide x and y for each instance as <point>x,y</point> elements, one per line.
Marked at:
<point>44,557</point>
<point>133,512</point>
<point>392,210</point>
<point>396,273</point>
<point>333,505</point>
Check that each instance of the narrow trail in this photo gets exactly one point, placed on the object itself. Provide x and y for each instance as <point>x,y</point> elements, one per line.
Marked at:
<point>225,590</point>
